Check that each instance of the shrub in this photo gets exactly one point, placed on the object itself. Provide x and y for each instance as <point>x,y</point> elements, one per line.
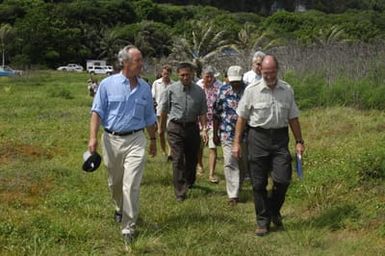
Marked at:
<point>370,165</point>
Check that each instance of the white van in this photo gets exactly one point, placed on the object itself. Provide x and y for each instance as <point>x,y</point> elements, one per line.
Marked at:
<point>103,70</point>
<point>91,63</point>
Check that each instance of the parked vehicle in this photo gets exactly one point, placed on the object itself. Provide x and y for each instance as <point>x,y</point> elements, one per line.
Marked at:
<point>91,63</point>
<point>101,70</point>
<point>71,68</point>
<point>8,71</point>
<point>109,69</point>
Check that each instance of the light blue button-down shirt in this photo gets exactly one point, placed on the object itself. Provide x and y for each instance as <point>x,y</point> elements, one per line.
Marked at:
<point>122,109</point>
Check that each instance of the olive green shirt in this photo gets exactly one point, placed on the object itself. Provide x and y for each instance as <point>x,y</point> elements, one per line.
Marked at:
<point>267,108</point>
<point>183,103</point>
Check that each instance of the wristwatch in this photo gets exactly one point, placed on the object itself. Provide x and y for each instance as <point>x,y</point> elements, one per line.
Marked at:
<point>299,141</point>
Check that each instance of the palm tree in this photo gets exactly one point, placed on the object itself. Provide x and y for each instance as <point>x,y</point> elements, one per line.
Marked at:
<point>5,32</point>
<point>250,40</point>
<point>205,42</point>
<point>110,43</point>
<point>332,35</point>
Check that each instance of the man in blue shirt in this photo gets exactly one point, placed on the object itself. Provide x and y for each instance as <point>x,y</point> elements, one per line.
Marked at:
<point>123,106</point>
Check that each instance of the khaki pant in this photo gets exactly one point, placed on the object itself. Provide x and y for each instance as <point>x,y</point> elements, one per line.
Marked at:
<point>234,169</point>
<point>124,158</point>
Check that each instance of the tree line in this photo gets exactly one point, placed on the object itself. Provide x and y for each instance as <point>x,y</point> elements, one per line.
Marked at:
<point>36,33</point>
<point>265,7</point>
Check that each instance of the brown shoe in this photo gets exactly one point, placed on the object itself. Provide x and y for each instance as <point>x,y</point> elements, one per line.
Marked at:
<point>261,231</point>
<point>233,201</point>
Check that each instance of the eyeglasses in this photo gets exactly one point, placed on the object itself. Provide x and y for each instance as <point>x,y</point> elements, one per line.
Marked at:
<point>259,64</point>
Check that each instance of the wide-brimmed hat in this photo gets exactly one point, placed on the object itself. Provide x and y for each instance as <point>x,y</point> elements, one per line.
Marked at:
<point>91,161</point>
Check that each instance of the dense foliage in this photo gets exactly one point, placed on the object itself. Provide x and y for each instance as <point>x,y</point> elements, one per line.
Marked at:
<point>51,33</point>
<point>269,6</point>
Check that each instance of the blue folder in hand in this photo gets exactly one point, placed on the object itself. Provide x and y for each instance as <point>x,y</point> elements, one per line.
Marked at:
<point>299,166</point>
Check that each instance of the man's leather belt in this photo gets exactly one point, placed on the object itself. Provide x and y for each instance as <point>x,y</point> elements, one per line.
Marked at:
<point>122,133</point>
<point>270,130</point>
<point>184,124</point>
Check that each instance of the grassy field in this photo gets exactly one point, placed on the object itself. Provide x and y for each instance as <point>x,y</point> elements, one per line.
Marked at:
<point>48,206</point>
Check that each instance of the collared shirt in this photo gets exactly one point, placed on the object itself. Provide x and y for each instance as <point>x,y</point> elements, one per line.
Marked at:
<point>225,111</point>
<point>158,88</point>
<point>184,103</point>
<point>267,108</point>
<point>211,96</point>
<point>122,109</point>
<point>250,77</point>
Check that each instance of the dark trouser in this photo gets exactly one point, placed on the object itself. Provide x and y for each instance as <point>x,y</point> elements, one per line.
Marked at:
<point>268,152</point>
<point>184,141</point>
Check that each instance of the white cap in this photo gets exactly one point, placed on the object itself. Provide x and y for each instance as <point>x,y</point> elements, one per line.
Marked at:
<point>234,73</point>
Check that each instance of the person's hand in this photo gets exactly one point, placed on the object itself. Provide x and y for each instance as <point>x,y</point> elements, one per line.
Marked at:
<point>236,150</point>
<point>204,136</point>
<point>299,148</point>
<point>92,145</point>
<point>152,149</point>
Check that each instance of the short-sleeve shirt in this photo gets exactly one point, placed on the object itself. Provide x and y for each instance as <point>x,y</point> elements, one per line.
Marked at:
<point>122,109</point>
<point>250,77</point>
<point>225,111</point>
<point>184,103</point>
<point>267,108</point>
<point>157,90</point>
<point>211,96</point>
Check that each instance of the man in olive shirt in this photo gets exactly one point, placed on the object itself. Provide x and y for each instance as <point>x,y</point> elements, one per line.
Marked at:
<point>268,106</point>
<point>182,105</point>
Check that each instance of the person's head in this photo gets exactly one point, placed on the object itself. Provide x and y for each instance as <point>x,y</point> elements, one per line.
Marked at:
<point>234,76</point>
<point>269,70</point>
<point>131,60</point>
<point>257,61</point>
<point>208,76</point>
<point>185,72</point>
<point>166,72</point>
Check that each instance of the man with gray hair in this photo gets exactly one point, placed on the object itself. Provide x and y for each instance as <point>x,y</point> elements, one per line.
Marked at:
<point>123,105</point>
<point>254,74</point>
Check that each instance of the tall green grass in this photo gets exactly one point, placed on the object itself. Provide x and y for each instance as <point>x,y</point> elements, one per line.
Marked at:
<point>313,91</point>
<point>48,206</point>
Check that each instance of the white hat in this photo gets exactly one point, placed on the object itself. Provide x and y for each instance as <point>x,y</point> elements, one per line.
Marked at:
<point>234,73</point>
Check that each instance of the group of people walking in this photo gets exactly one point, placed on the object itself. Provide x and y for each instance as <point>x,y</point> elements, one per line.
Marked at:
<point>248,116</point>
